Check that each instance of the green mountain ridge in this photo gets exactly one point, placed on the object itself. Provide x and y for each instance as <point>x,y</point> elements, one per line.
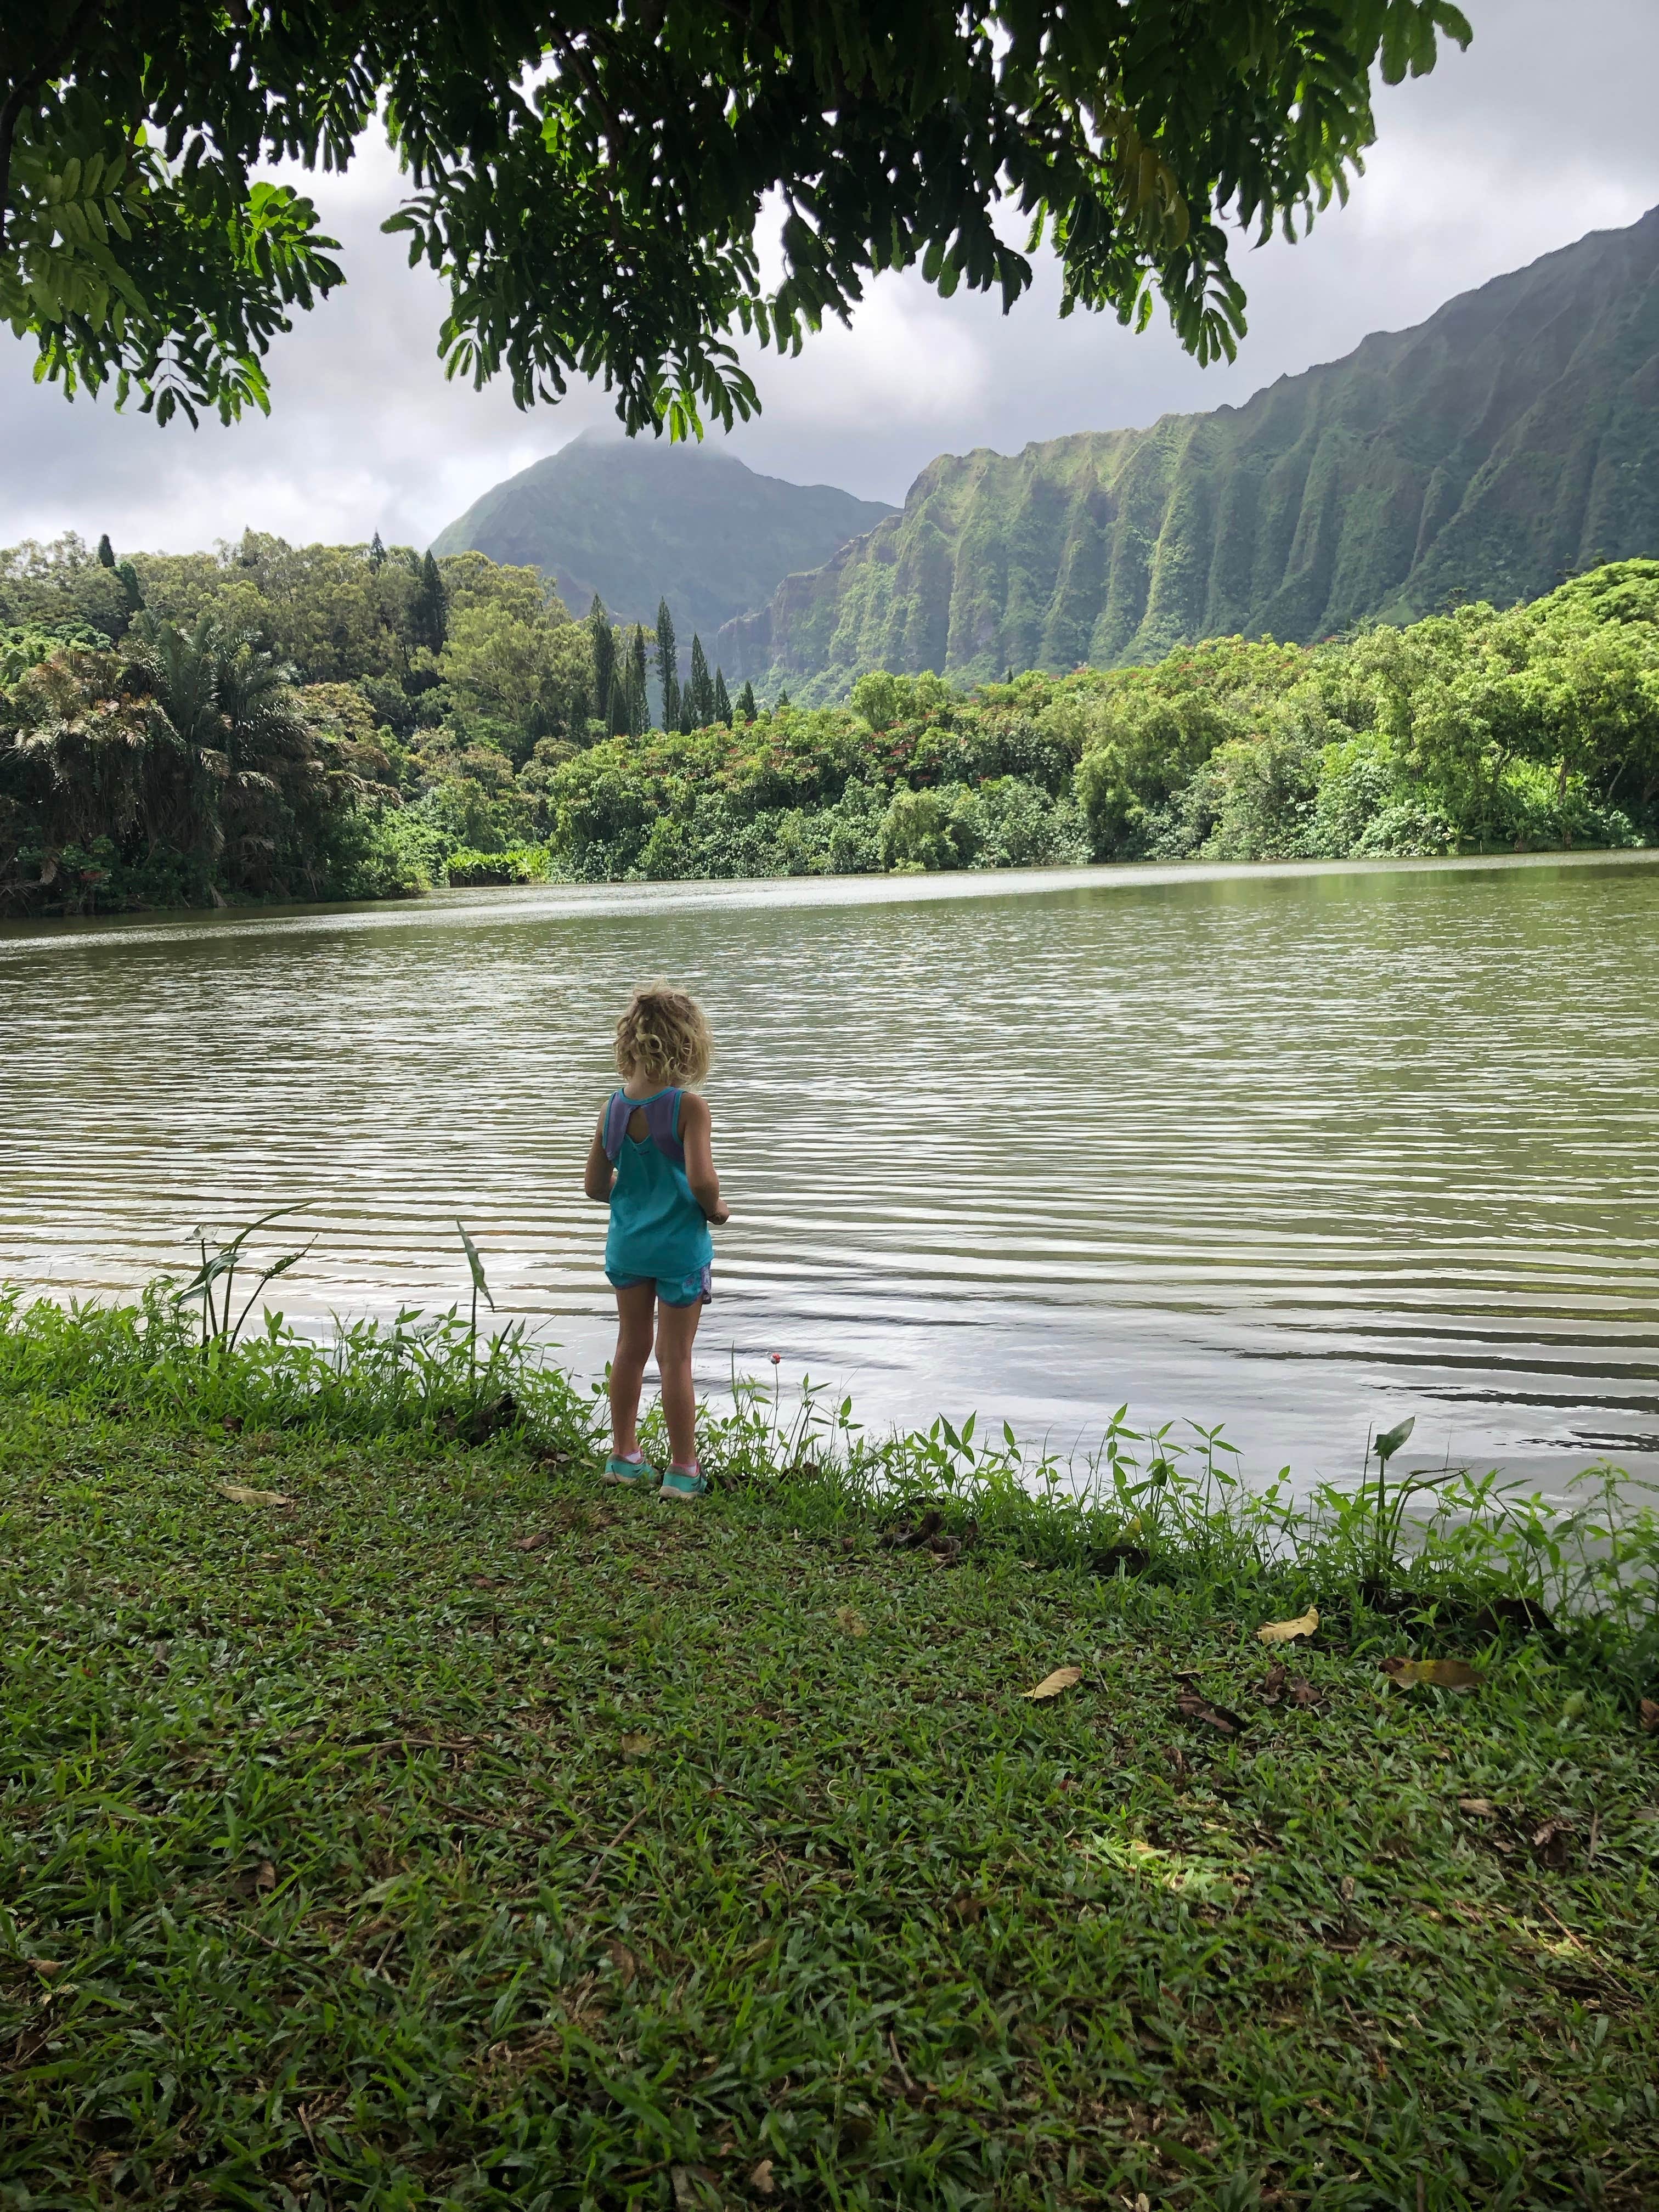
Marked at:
<point>1509,439</point>
<point>636,522</point>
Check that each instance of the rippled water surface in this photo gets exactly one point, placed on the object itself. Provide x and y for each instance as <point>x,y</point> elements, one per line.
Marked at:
<point>1298,1150</point>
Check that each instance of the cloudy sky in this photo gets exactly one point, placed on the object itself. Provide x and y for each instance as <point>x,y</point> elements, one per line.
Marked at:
<point>1542,131</point>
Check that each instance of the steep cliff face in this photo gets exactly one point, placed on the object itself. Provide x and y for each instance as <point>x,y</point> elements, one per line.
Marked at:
<point>1511,438</point>
<point>639,520</point>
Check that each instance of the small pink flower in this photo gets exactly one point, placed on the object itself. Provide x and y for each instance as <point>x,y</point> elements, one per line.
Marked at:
<point>777,1359</point>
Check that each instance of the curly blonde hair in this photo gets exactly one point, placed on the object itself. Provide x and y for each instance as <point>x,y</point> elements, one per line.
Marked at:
<point>664,1032</point>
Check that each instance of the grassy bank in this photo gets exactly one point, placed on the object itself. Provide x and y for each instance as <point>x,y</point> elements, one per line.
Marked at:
<point>453,1831</point>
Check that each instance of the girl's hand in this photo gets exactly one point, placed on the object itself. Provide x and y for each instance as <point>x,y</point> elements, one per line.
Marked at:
<point>721,1211</point>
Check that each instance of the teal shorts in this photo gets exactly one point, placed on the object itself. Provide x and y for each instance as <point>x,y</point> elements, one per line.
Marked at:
<point>671,1290</point>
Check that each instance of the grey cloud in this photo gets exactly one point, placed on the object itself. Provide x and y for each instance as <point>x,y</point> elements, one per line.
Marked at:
<point>1541,133</point>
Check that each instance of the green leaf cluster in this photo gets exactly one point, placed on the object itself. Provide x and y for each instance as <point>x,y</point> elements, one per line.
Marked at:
<point>590,181</point>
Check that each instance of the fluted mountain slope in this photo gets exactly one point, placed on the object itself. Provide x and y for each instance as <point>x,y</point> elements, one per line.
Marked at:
<point>1512,438</point>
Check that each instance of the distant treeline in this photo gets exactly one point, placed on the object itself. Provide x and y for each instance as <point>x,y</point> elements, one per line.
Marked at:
<point>352,721</point>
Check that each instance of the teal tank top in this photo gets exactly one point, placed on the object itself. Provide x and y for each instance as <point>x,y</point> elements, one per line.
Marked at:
<point>656,1227</point>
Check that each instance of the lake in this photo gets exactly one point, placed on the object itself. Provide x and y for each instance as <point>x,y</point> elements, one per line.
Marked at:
<point>1297,1149</point>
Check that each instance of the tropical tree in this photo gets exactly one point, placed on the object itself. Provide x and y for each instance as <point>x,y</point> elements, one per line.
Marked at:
<point>85,749</point>
<point>592,184</point>
<point>722,700</point>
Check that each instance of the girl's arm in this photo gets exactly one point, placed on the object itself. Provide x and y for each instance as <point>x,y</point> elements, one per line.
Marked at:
<point>600,1175</point>
<point>697,1136</point>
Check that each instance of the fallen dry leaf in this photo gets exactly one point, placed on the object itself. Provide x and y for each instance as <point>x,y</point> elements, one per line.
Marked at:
<point>1344,1889</point>
<point>535,1542</point>
<point>266,1877</point>
<point>851,1622</point>
<point>1274,1687</point>
<point>634,1745</point>
<point>1286,1632</point>
<point>48,1967</point>
<point>1052,1684</point>
<point>241,1496</point>
<point>1650,1715</point>
<point>623,1961</point>
<point>1482,1808</point>
<point>761,2179</point>
<point>908,1538</point>
<point>1442,1674</point>
<point>1302,1693</point>
<point>1550,1842</point>
<point>1192,1707</point>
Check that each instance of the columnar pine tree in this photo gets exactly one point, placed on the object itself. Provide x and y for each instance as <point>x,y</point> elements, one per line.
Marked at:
<point>701,686</point>
<point>668,672</point>
<point>604,659</point>
<point>376,553</point>
<point>746,705</point>
<point>722,699</point>
<point>106,552</point>
<point>620,720</point>
<point>686,722</point>
<point>429,613</point>
<point>639,701</point>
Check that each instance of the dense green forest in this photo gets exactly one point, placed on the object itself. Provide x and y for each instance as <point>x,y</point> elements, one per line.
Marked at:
<point>355,722</point>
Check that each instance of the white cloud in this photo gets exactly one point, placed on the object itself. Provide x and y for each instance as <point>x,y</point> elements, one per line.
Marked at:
<point>1518,148</point>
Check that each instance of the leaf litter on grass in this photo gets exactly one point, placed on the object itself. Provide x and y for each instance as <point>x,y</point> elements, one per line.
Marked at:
<point>1051,1686</point>
<point>1286,1632</point>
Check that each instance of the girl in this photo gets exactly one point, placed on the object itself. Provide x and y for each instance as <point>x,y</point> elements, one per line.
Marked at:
<point>652,1163</point>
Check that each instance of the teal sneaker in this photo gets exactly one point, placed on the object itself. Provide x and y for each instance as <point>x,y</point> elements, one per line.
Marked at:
<point>683,1482</point>
<point>630,1473</point>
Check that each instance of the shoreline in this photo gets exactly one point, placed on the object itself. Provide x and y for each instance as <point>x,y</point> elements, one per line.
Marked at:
<point>690,895</point>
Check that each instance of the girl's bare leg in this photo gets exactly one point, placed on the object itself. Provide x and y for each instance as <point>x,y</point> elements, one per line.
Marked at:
<point>676,1327</point>
<point>635,1307</point>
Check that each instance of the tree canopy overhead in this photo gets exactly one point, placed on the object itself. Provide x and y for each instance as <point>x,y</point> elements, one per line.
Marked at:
<point>590,177</point>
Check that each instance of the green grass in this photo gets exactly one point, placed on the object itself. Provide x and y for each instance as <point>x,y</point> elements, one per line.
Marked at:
<point>464,1833</point>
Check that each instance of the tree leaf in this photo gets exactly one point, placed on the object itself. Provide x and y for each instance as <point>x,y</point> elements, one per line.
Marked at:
<point>1481,1808</point>
<point>240,1495</point>
<point>1063,1678</point>
<point>1286,1632</point>
<point>1650,1715</point>
<point>761,2179</point>
<point>852,1623</point>
<point>1442,1674</point>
